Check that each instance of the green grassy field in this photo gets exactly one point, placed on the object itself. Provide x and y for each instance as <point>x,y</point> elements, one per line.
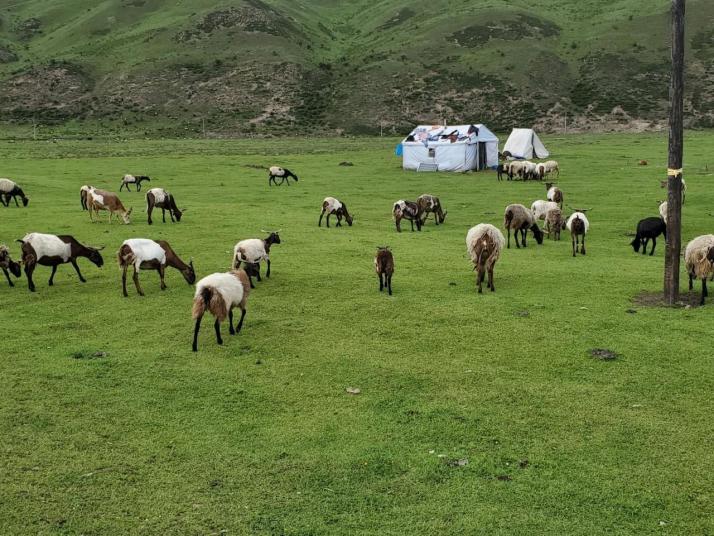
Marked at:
<point>260,437</point>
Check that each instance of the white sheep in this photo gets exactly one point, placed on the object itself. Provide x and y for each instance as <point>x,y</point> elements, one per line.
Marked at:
<point>540,208</point>
<point>699,261</point>
<point>484,243</point>
<point>252,252</point>
<point>663,211</point>
<point>664,184</point>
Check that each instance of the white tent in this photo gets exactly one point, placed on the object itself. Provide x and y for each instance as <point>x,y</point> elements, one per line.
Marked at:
<point>525,143</point>
<point>450,148</point>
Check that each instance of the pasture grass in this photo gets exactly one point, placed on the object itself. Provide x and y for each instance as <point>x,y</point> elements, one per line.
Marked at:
<point>478,414</point>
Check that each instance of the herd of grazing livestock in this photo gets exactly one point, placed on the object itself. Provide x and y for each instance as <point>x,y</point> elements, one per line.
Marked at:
<point>220,293</point>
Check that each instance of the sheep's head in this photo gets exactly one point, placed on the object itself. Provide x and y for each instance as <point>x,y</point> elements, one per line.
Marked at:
<point>178,213</point>
<point>443,216</point>
<point>349,218</point>
<point>274,238</point>
<point>25,201</point>
<point>636,245</point>
<point>95,256</point>
<point>549,185</point>
<point>189,274</point>
<point>537,233</point>
<point>126,215</point>
<point>252,268</point>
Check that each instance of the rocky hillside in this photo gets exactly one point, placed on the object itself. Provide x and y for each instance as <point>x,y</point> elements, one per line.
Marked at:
<point>241,67</point>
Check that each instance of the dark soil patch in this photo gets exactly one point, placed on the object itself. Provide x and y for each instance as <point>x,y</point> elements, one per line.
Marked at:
<point>656,299</point>
<point>7,55</point>
<point>401,16</point>
<point>523,26</point>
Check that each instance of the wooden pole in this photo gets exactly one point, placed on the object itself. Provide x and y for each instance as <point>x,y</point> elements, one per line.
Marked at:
<point>674,173</point>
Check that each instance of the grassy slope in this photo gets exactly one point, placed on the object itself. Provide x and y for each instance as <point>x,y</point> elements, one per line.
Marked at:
<point>369,63</point>
<point>259,436</point>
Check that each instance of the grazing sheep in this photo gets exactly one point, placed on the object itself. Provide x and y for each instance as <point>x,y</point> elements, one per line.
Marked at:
<point>540,208</point>
<point>282,173</point>
<point>430,204</point>
<point>83,192</point>
<point>551,166</point>
<point>6,263</point>
<point>251,252</point>
<point>484,243</point>
<point>102,200</point>
<point>10,190</point>
<point>408,210</point>
<point>516,169</point>
<point>663,210</point>
<point>334,206</point>
<point>578,226</point>
<point>554,193</point>
<point>384,266</point>
<point>648,228</point>
<point>160,198</point>
<point>133,179</point>
<point>530,170</point>
<point>642,163</point>
<point>218,294</point>
<point>147,254</point>
<point>664,184</point>
<point>554,223</point>
<point>699,261</point>
<point>53,250</point>
<point>519,218</point>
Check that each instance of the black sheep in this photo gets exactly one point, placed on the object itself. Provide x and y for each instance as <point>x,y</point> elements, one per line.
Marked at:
<point>648,228</point>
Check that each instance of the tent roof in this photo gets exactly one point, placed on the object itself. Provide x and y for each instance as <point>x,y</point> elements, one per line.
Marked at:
<point>525,143</point>
<point>432,131</point>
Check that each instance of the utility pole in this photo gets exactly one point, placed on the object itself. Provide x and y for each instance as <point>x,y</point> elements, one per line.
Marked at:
<point>203,126</point>
<point>674,171</point>
<point>34,129</point>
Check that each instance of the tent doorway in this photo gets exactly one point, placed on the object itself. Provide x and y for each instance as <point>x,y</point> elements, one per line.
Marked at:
<point>482,156</point>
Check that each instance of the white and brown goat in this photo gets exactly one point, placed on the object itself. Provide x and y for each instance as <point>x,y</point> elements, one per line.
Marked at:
<point>407,210</point>
<point>133,179</point>
<point>484,244</point>
<point>218,294</point>
<point>10,190</point>
<point>384,266</point>
<point>160,198</point>
<point>53,250</point>
<point>430,204</point>
<point>578,225</point>
<point>103,200</point>
<point>83,193</point>
<point>280,173</point>
<point>8,265</point>
<point>142,253</point>
<point>332,205</point>
<point>252,252</point>
<point>554,194</point>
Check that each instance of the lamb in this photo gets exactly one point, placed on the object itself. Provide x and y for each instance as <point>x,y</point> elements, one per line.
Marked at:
<point>158,197</point>
<point>648,228</point>
<point>384,266</point>
<point>251,252</point>
<point>699,261</point>
<point>552,166</point>
<point>83,192</point>
<point>578,226</point>
<point>102,200</point>
<point>283,173</point>
<point>554,193</point>
<point>540,208</point>
<point>554,223</point>
<point>133,179</point>
<point>519,218</point>
<point>408,210</point>
<point>484,243</point>
<point>218,294</point>
<point>663,210</point>
<point>334,206</point>
<point>6,263</point>
<point>147,254</point>
<point>53,250</point>
<point>431,204</point>
<point>10,189</point>
<point>664,184</point>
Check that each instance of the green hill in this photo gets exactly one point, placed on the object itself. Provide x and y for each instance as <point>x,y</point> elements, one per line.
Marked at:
<point>277,66</point>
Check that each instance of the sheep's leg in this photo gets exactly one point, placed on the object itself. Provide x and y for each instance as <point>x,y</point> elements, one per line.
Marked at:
<point>230,322</point>
<point>479,279</point>
<point>163,215</point>
<point>29,268</point>
<point>524,234</point>
<point>397,222</point>
<point>240,322</point>
<point>171,215</point>
<point>257,272</point>
<point>110,217</point>
<point>148,212</point>
<point>135,277</point>
<point>389,283</point>
<point>4,200</point>
<point>319,222</point>
<point>654,244</point>
<point>52,276</point>
<point>509,237</point>
<point>328,219</point>
<point>250,280</point>
<point>267,272</point>
<point>15,198</point>
<point>162,273</point>
<point>195,333</point>
<point>582,245</point>
<point>121,186</point>
<point>490,278</point>
<point>573,240</point>
<point>76,269</point>
<point>644,243</point>
<point>381,283</point>
<point>704,291</point>
<point>412,223</point>
<point>339,221</point>
<point>217,325</point>
<point>123,280</point>
<point>7,276</point>
<point>515,235</point>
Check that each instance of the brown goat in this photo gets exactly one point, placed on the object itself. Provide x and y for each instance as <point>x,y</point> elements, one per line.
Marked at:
<point>554,223</point>
<point>103,200</point>
<point>384,266</point>
<point>430,204</point>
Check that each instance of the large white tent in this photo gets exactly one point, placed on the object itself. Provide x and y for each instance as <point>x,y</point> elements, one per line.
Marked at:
<point>525,143</point>
<point>450,148</point>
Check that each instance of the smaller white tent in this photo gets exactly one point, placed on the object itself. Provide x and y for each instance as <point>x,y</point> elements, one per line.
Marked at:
<point>525,143</point>
<point>450,148</point>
